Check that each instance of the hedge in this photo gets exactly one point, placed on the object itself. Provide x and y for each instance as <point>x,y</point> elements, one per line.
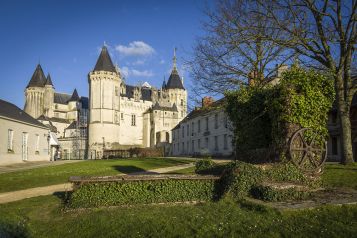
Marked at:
<point>142,192</point>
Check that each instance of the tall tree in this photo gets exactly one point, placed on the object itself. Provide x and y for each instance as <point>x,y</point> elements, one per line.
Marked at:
<point>323,32</point>
<point>233,48</point>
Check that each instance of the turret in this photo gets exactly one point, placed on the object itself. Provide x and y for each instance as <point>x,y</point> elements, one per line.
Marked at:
<point>176,91</point>
<point>48,97</point>
<point>34,93</point>
<point>104,94</point>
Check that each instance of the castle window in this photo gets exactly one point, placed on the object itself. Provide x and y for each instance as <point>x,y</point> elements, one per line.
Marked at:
<point>225,142</point>
<point>199,144</point>
<point>181,102</point>
<point>225,122</point>
<point>56,106</point>
<point>116,91</point>
<point>206,123</point>
<point>133,120</point>
<point>122,116</point>
<point>10,140</point>
<point>188,130</point>
<point>216,121</point>
<point>183,131</point>
<point>199,125</point>
<point>37,143</point>
<point>216,143</point>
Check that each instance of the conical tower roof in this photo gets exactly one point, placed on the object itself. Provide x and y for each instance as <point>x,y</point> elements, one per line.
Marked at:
<point>74,96</point>
<point>174,79</point>
<point>48,80</point>
<point>104,62</point>
<point>163,84</point>
<point>38,78</point>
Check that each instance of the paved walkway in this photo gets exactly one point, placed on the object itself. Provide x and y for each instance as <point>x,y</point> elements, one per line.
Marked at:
<point>32,165</point>
<point>48,190</point>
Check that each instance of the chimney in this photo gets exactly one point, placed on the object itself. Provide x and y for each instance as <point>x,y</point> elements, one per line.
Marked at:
<point>207,101</point>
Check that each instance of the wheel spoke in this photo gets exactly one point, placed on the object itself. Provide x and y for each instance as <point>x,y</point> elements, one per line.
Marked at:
<point>303,139</point>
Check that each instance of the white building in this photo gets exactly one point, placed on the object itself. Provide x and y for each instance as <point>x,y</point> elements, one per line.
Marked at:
<point>22,137</point>
<point>205,131</point>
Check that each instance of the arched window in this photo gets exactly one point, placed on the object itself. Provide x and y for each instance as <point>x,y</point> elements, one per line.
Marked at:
<point>167,137</point>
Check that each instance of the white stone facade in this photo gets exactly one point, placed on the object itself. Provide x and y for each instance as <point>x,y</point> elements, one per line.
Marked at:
<point>205,131</point>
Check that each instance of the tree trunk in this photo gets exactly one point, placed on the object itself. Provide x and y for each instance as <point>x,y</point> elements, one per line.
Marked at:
<point>346,139</point>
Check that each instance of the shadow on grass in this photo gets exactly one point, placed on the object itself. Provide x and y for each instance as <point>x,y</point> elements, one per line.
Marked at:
<point>13,229</point>
<point>127,169</point>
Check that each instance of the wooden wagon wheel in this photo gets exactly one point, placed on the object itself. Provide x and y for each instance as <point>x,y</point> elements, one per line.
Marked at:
<point>308,150</point>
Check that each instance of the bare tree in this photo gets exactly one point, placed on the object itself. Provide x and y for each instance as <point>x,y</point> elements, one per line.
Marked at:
<point>323,32</point>
<point>234,47</point>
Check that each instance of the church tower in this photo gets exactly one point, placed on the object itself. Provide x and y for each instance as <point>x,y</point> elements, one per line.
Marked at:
<point>34,93</point>
<point>104,94</point>
<point>176,91</point>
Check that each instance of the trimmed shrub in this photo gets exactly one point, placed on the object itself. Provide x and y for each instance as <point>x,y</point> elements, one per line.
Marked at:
<point>203,165</point>
<point>285,172</point>
<point>142,192</point>
<point>268,193</point>
<point>239,178</point>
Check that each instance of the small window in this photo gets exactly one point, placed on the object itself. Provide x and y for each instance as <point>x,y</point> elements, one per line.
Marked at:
<point>199,144</point>
<point>207,142</point>
<point>216,121</point>
<point>193,146</point>
<point>199,125</point>
<point>37,143</point>
<point>181,102</point>
<point>216,142</point>
<point>188,130</point>
<point>206,123</point>
<point>225,142</point>
<point>122,116</point>
<point>225,122</point>
<point>133,120</point>
<point>116,91</point>
<point>10,140</point>
<point>183,131</point>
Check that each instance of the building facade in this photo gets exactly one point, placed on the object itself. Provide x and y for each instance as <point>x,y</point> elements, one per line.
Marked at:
<point>22,138</point>
<point>123,116</point>
<point>206,131</point>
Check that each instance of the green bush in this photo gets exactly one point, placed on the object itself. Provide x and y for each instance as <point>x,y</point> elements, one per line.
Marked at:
<point>203,165</point>
<point>239,178</point>
<point>267,193</point>
<point>285,172</point>
<point>142,192</point>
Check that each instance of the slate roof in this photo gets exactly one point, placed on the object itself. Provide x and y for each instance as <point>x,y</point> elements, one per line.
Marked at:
<point>145,92</point>
<point>74,96</point>
<point>48,80</point>
<point>202,110</point>
<point>61,98</point>
<point>104,62</point>
<point>38,78</point>
<point>73,125</point>
<point>162,108</point>
<point>174,80</point>
<point>11,111</point>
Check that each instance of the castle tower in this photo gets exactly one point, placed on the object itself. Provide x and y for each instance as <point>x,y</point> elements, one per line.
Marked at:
<point>48,97</point>
<point>34,93</point>
<point>104,94</point>
<point>73,106</point>
<point>176,91</point>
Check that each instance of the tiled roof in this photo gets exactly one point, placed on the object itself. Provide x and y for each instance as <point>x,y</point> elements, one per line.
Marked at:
<point>74,96</point>
<point>145,92</point>
<point>61,98</point>
<point>174,80</point>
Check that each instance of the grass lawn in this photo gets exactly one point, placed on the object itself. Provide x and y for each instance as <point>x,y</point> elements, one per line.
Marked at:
<point>44,217</point>
<point>59,174</point>
<point>337,175</point>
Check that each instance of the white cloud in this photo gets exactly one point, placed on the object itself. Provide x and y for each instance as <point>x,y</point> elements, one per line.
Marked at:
<point>138,62</point>
<point>126,72</point>
<point>135,48</point>
<point>145,73</point>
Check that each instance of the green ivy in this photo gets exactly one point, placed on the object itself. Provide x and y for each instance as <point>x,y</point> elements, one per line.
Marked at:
<point>203,165</point>
<point>262,116</point>
<point>142,192</point>
<point>267,193</point>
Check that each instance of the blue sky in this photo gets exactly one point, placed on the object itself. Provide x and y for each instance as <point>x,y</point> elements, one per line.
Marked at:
<point>65,37</point>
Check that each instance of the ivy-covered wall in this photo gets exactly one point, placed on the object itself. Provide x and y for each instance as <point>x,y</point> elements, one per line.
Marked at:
<point>264,118</point>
